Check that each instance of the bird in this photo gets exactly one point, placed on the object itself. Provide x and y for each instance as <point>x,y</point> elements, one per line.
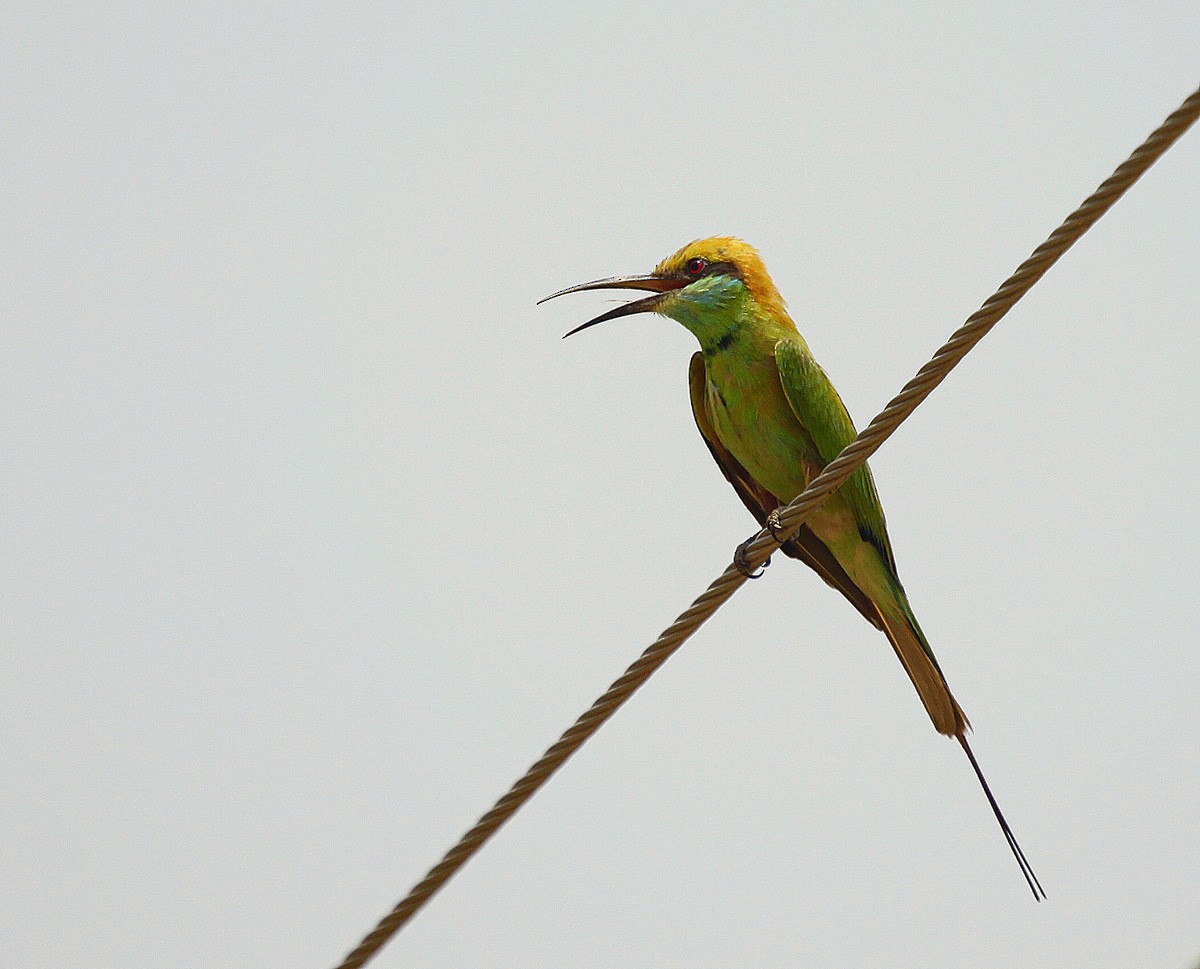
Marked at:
<point>772,421</point>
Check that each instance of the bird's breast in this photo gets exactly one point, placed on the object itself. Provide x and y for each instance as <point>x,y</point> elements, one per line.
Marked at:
<point>753,419</point>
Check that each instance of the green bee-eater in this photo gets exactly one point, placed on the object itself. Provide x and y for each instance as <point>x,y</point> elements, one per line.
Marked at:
<point>772,420</point>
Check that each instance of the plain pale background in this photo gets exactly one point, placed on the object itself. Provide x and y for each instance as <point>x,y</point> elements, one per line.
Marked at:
<point>314,534</point>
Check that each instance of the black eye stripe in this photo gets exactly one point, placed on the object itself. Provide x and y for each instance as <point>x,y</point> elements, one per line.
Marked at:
<point>710,269</point>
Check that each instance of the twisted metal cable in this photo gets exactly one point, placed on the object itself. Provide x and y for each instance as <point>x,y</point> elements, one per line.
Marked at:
<point>791,518</point>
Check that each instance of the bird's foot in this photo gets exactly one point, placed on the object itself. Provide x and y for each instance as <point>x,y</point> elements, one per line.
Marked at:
<point>739,560</point>
<point>774,525</point>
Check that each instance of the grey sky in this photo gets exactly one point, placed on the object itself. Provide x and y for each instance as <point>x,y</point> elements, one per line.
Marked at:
<point>313,534</point>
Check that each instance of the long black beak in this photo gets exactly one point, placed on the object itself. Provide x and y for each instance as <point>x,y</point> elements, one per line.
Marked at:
<point>656,284</point>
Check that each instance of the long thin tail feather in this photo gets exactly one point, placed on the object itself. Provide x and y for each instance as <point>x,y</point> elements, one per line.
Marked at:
<point>947,716</point>
<point>1030,878</point>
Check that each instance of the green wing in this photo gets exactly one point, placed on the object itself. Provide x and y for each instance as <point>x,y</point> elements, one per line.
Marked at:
<point>804,546</point>
<point>820,410</point>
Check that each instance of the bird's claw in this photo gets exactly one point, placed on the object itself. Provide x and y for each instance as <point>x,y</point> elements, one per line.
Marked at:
<point>774,525</point>
<point>739,561</point>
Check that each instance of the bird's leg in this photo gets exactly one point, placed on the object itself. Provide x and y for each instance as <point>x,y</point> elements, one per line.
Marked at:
<point>739,560</point>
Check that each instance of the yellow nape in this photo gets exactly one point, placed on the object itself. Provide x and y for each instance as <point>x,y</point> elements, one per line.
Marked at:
<point>740,254</point>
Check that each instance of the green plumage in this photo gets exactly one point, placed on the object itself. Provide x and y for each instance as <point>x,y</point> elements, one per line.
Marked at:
<point>822,414</point>
<point>773,420</point>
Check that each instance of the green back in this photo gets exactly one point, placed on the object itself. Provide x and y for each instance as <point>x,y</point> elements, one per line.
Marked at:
<point>820,410</point>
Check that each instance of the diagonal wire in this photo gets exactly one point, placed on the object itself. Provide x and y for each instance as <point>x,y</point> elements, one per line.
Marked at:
<point>790,519</point>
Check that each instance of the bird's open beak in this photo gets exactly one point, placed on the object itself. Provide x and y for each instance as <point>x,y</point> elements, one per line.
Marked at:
<point>656,284</point>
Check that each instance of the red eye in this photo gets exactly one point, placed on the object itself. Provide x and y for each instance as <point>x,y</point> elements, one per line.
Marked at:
<point>694,267</point>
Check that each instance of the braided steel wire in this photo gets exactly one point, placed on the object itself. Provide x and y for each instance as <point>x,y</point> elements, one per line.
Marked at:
<point>759,549</point>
